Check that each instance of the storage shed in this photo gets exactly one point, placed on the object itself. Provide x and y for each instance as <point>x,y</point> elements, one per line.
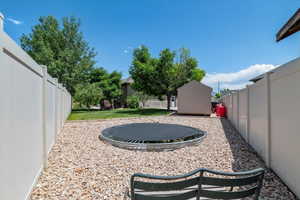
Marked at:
<point>194,98</point>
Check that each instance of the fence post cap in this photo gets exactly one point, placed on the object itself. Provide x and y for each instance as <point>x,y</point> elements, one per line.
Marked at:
<point>1,16</point>
<point>269,72</point>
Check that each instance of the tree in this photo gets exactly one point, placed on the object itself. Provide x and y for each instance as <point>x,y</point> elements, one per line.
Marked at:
<point>110,84</point>
<point>99,75</point>
<point>225,92</point>
<point>88,94</point>
<point>133,101</point>
<point>62,48</point>
<point>167,75</point>
<point>142,97</point>
<point>162,76</point>
<point>113,92</point>
<point>218,95</point>
<point>188,68</point>
<point>143,73</point>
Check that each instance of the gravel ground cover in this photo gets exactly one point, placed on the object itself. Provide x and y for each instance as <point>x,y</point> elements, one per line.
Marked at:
<point>80,166</point>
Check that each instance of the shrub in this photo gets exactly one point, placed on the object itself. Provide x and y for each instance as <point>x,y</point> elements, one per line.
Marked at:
<point>88,94</point>
<point>143,98</point>
<point>133,102</point>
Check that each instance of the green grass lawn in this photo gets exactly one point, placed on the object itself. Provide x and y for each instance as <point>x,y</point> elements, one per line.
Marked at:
<point>117,113</point>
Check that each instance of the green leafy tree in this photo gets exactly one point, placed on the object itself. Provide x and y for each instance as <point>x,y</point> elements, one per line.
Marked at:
<point>225,92</point>
<point>218,95</point>
<point>142,97</point>
<point>167,73</point>
<point>99,75</point>
<point>162,76</point>
<point>110,84</point>
<point>187,68</point>
<point>143,73</point>
<point>113,92</point>
<point>88,94</point>
<point>62,48</point>
<point>133,101</point>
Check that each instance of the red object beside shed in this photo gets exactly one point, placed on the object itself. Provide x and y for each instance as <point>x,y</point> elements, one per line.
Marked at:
<point>221,110</point>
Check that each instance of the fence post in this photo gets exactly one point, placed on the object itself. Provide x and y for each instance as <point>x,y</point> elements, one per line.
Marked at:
<point>238,110</point>
<point>44,116</point>
<point>56,108</point>
<point>61,106</point>
<point>248,115</point>
<point>1,21</point>
<point>231,104</point>
<point>268,134</point>
<point>71,103</point>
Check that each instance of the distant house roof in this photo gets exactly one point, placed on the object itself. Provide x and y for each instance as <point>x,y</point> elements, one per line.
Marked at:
<point>292,26</point>
<point>128,80</point>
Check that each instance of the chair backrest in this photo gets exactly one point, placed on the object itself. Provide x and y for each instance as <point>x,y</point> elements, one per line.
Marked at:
<point>196,185</point>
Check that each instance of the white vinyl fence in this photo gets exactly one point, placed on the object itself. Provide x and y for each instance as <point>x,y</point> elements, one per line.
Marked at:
<point>33,108</point>
<point>267,115</point>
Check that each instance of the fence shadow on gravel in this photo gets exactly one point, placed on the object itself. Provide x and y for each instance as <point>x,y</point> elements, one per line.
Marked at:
<point>246,158</point>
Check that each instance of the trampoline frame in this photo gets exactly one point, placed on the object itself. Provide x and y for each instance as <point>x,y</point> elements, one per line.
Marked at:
<point>158,146</point>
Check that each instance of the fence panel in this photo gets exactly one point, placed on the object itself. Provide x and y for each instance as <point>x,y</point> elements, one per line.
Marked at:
<point>27,119</point>
<point>258,117</point>
<point>152,103</point>
<point>235,110</point>
<point>51,86</point>
<point>230,114</point>
<point>21,126</point>
<point>272,109</point>
<point>243,112</point>
<point>285,135</point>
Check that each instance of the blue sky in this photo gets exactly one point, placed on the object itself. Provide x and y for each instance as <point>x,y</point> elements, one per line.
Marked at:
<point>233,40</point>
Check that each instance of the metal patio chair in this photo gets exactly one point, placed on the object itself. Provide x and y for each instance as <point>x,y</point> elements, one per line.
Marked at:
<point>196,185</point>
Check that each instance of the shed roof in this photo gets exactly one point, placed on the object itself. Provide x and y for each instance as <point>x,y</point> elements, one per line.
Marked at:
<point>291,26</point>
<point>194,82</point>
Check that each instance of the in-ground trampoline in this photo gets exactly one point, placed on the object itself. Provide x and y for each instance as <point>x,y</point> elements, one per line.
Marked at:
<point>152,136</point>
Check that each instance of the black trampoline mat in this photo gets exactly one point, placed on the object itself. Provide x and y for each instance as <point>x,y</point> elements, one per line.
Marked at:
<point>150,132</point>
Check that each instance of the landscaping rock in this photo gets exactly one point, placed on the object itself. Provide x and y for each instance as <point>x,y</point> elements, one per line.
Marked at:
<point>80,166</point>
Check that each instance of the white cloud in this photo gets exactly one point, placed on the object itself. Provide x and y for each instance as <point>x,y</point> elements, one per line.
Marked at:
<point>14,21</point>
<point>236,80</point>
<point>126,51</point>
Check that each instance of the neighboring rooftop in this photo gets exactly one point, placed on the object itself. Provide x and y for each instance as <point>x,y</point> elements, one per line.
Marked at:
<point>292,26</point>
